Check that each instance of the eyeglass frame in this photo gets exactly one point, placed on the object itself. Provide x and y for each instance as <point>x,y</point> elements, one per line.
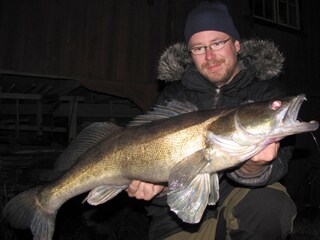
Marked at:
<point>223,42</point>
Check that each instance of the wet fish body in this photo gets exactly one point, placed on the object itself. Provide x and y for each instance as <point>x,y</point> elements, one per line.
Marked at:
<point>173,144</point>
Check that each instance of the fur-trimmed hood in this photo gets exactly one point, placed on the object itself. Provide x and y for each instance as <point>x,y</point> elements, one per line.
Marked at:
<point>261,56</point>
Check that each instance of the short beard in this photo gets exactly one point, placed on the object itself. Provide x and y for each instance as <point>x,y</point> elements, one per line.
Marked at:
<point>222,80</point>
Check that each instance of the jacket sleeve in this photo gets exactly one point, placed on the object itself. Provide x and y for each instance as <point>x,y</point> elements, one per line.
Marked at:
<point>272,173</point>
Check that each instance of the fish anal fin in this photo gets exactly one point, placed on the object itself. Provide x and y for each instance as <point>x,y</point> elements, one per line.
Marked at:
<point>189,203</point>
<point>103,194</point>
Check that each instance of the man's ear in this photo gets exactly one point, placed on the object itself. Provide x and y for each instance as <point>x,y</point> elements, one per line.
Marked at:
<point>237,45</point>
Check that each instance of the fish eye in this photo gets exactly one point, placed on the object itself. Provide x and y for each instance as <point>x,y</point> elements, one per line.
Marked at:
<point>275,105</point>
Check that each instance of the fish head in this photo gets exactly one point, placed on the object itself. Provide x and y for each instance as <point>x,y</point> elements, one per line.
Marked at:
<point>271,121</point>
<point>246,130</point>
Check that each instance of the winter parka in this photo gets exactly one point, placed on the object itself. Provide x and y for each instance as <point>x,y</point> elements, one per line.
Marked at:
<point>261,63</point>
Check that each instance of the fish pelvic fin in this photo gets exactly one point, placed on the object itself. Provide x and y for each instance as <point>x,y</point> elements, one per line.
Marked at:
<point>185,171</point>
<point>191,190</point>
<point>25,211</point>
<point>214,185</point>
<point>103,194</point>
<point>189,203</point>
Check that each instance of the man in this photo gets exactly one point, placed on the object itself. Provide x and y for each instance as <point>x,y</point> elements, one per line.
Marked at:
<point>252,204</point>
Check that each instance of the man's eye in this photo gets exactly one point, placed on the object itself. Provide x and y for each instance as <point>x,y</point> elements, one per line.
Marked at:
<point>198,49</point>
<point>217,43</point>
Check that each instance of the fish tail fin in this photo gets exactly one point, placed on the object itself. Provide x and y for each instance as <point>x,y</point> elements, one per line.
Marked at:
<point>25,211</point>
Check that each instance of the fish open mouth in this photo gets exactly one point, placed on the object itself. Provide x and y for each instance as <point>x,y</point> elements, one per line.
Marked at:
<point>290,120</point>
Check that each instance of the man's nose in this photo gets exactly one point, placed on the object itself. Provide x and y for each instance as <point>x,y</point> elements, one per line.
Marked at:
<point>209,54</point>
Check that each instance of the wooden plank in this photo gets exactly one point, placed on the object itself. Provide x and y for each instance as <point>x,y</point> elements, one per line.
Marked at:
<point>84,110</point>
<point>34,128</point>
<point>20,96</point>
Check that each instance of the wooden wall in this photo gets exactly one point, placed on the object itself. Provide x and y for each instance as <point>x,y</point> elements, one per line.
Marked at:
<point>108,45</point>
<point>113,46</point>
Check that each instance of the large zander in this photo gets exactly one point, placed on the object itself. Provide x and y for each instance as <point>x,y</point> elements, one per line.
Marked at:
<point>174,144</point>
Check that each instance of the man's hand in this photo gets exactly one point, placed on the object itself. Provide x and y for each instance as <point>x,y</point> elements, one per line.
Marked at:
<point>257,163</point>
<point>143,190</point>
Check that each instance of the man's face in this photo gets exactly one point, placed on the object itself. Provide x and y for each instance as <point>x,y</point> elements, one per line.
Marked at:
<point>218,66</point>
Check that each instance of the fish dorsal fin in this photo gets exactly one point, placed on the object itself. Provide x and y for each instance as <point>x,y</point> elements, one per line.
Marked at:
<point>87,138</point>
<point>103,194</point>
<point>189,203</point>
<point>170,109</point>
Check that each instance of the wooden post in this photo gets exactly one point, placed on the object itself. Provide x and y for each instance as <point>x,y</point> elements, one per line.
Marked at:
<point>17,124</point>
<point>73,118</point>
<point>39,118</point>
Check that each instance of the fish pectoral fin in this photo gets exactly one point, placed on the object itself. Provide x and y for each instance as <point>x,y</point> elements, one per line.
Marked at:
<point>103,194</point>
<point>214,191</point>
<point>189,203</point>
<point>185,171</point>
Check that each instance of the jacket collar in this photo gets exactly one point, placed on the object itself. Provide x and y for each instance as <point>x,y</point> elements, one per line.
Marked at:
<point>192,79</point>
<point>261,58</point>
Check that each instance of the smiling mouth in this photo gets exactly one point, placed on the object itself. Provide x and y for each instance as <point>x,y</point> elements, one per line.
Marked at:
<point>213,66</point>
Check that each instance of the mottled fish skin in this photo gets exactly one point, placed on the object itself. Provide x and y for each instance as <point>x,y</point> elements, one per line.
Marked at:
<point>174,144</point>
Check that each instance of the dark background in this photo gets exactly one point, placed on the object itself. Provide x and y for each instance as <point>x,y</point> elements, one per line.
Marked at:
<point>82,61</point>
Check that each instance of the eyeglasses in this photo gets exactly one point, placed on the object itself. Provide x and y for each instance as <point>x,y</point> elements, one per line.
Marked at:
<point>215,46</point>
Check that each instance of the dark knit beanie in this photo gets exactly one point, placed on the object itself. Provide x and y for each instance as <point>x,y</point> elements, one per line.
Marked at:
<point>210,16</point>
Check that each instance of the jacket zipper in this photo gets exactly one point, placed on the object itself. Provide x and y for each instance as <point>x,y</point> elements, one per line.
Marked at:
<point>216,98</point>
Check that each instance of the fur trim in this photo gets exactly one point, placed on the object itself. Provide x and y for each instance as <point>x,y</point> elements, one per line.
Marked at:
<point>261,55</point>
<point>265,57</point>
<point>173,62</point>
